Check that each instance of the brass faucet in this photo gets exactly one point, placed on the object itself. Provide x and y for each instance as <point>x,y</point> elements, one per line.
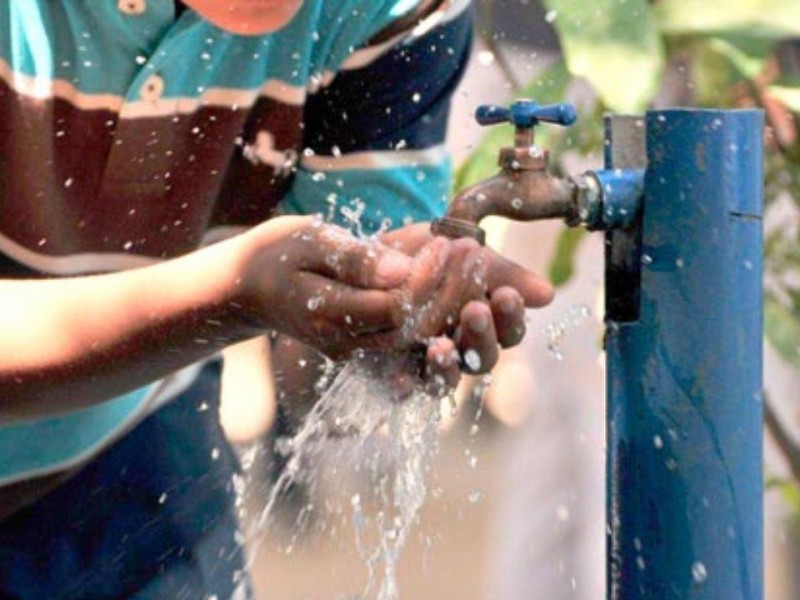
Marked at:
<point>524,189</point>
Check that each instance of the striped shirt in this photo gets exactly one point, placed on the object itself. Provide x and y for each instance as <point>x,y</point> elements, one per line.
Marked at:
<point>132,133</point>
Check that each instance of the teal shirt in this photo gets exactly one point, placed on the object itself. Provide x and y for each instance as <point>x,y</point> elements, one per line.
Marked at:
<point>131,134</point>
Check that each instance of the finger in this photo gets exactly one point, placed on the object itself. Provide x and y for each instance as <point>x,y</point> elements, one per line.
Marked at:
<point>428,269</point>
<point>508,311</point>
<point>408,239</point>
<point>464,280</point>
<point>333,306</point>
<point>442,369</point>
<point>337,254</point>
<point>535,291</point>
<point>477,339</point>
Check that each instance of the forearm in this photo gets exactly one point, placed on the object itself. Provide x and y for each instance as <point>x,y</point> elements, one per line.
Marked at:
<point>68,343</point>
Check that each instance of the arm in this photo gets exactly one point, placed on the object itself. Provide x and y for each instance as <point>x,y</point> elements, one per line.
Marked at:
<point>68,343</point>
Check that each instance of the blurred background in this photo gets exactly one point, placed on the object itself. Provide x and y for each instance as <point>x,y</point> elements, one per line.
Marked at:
<point>515,494</point>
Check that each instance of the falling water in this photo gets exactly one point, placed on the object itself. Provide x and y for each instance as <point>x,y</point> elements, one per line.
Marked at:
<point>557,330</point>
<point>370,396</point>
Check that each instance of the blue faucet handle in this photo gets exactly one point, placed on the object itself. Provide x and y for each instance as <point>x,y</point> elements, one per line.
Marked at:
<point>527,113</point>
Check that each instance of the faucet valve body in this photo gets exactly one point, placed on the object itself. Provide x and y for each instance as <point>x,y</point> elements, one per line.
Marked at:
<point>523,190</point>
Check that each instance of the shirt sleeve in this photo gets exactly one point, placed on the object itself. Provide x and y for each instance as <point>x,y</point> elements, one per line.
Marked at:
<point>374,132</point>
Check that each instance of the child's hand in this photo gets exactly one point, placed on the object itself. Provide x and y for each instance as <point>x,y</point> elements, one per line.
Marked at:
<point>466,300</point>
<point>320,285</point>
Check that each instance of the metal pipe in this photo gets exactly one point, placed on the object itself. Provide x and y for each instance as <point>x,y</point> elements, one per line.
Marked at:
<point>684,356</point>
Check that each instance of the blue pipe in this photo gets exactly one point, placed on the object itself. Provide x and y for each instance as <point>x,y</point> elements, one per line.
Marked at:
<point>685,481</point>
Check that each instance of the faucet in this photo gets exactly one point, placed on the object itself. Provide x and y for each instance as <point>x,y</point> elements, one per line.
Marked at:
<point>524,189</point>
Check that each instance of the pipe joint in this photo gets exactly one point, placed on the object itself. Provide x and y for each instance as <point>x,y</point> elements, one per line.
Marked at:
<point>609,198</point>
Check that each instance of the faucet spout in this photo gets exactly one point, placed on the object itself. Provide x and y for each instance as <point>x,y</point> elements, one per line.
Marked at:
<point>517,195</point>
<point>524,189</point>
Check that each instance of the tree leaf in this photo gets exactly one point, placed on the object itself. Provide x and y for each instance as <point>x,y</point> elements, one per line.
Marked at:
<point>719,63</point>
<point>746,54</point>
<point>562,266</point>
<point>615,45</point>
<point>772,19</point>
<point>789,96</point>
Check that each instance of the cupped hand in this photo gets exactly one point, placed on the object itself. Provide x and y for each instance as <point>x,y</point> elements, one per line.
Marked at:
<point>321,285</point>
<point>468,301</point>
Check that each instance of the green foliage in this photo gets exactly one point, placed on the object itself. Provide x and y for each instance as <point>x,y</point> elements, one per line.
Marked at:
<point>719,64</point>
<point>789,490</point>
<point>562,267</point>
<point>782,328</point>
<point>771,19</point>
<point>614,45</point>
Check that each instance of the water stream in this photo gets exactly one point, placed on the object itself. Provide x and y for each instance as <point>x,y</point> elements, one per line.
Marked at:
<point>363,403</point>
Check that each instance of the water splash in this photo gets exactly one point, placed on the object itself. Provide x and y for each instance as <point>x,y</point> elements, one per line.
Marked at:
<point>369,397</point>
<point>556,331</point>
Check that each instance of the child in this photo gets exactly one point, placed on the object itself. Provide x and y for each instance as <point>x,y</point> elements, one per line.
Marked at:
<point>136,133</point>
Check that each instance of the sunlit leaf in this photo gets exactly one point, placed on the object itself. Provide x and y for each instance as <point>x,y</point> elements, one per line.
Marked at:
<point>719,63</point>
<point>615,45</point>
<point>782,328</point>
<point>789,96</point>
<point>791,495</point>
<point>562,266</point>
<point>746,54</point>
<point>773,19</point>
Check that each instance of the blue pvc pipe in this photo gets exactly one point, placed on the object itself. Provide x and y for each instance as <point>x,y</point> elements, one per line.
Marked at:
<point>685,479</point>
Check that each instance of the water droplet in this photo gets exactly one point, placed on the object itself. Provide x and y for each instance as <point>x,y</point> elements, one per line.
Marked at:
<point>485,58</point>
<point>214,453</point>
<point>699,572</point>
<point>556,331</point>
<point>314,303</point>
<point>658,442</point>
<point>162,498</point>
<point>640,564</point>
<point>416,97</point>
<point>516,203</point>
<point>472,360</point>
<point>475,496</point>
<point>551,16</point>
<point>562,512</point>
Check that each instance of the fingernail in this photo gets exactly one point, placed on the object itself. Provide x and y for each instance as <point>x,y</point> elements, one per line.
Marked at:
<point>479,324</point>
<point>508,306</point>
<point>393,268</point>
